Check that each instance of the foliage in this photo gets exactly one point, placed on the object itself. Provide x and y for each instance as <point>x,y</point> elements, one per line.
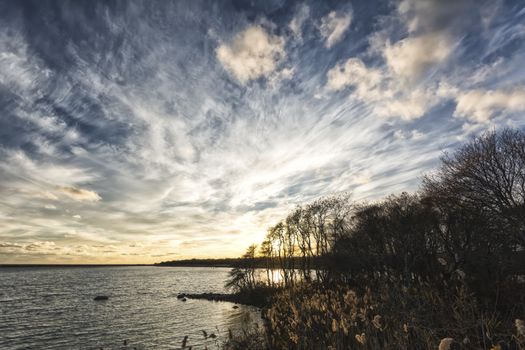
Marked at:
<point>388,317</point>
<point>242,278</point>
<point>253,338</point>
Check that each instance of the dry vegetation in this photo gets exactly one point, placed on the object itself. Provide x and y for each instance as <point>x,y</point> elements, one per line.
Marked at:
<point>386,318</point>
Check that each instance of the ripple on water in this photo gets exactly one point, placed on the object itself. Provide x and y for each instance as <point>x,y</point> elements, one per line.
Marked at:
<point>53,308</point>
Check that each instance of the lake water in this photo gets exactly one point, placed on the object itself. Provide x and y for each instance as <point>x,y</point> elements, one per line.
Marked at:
<point>53,308</point>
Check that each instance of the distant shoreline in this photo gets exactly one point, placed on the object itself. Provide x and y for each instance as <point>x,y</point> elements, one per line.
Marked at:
<point>183,264</point>
<point>258,262</point>
<point>72,265</point>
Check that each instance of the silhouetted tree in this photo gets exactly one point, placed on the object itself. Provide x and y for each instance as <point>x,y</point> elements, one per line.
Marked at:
<point>266,251</point>
<point>244,277</point>
<point>486,175</point>
<point>467,223</point>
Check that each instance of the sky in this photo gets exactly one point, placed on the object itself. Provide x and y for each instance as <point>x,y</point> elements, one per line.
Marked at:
<point>145,131</point>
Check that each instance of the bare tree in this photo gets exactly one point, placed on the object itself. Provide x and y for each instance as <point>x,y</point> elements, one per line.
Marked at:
<point>487,174</point>
<point>266,251</point>
<point>243,278</point>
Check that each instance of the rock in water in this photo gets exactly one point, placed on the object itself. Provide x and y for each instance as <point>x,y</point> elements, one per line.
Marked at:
<point>101,297</point>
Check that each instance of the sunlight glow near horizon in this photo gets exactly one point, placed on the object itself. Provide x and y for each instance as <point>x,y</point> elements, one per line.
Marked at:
<point>139,132</point>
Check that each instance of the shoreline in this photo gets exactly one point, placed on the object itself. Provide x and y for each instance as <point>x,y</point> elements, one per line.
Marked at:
<point>71,265</point>
<point>107,265</point>
<point>235,298</point>
<point>232,298</point>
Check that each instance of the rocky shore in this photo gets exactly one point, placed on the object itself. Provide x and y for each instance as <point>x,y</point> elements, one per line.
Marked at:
<point>237,298</point>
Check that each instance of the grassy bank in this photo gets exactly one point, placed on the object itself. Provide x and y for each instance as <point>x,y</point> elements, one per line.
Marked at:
<point>389,316</point>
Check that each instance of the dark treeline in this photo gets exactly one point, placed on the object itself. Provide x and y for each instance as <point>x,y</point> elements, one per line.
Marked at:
<point>226,262</point>
<point>445,261</point>
<point>468,218</point>
<point>253,262</point>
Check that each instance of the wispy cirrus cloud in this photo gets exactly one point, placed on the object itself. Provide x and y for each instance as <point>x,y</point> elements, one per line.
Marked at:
<point>333,26</point>
<point>177,129</point>
<point>300,17</point>
<point>79,194</point>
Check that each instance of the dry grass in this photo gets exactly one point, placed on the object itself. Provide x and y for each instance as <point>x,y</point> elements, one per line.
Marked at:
<point>389,317</point>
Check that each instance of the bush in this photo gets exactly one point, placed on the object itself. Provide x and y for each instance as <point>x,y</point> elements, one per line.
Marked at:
<point>388,317</point>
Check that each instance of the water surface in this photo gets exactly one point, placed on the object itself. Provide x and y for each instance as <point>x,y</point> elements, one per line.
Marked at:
<point>53,308</point>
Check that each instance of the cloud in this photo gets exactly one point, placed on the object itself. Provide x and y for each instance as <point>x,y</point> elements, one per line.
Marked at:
<point>430,16</point>
<point>297,22</point>
<point>361,179</point>
<point>377,88</point>
<point>333,26</point>
<point>409,135</point>
<point>408,106</point>
<point>435,27</point>
<point>20,164</point>
<point>353,73</point>
<point>252,54</point>
<point>44,195</point>
<point>481,105</point>
<point>10,245</point>
<point>280,76</point>
<point>410,57</point>
<point>44,246</point>
<point>408,74</point>
<point>180,153</point>
<point>79,194</point>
